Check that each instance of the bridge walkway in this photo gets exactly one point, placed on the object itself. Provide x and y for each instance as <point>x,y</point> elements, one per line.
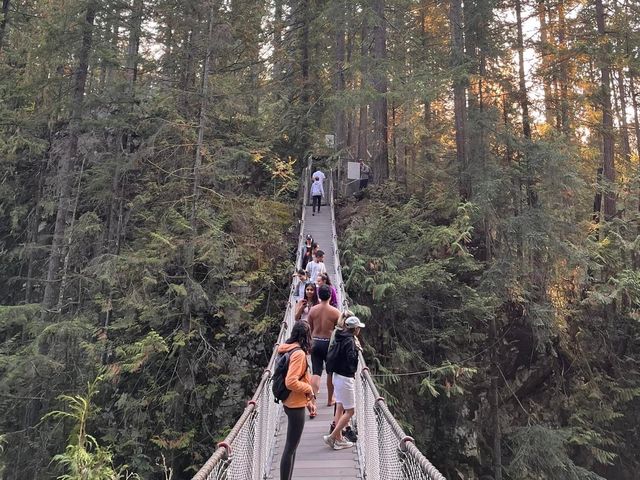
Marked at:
<point>252,449</point>
<point>314,459</point>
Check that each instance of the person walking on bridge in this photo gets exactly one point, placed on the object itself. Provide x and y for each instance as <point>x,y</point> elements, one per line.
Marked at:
<point>298,381</point>
<point>323,279</point>
<point>342,360</point>
<point>307,251</point>
<point>322,319</point>
<point>305,304</point>
<point>301,274</point>
<point>317,267</point>
<point>317,192</point>
<point>319,174</point>
<point>365,173</point>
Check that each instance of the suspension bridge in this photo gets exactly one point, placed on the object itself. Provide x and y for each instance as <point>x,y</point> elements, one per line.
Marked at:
<point>252,449</point>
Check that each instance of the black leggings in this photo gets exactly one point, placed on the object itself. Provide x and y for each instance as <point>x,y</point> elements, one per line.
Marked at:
<point>295,425</point>
<point>317,200</point>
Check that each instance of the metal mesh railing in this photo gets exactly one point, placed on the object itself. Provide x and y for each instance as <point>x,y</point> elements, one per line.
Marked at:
<point>385,452</point>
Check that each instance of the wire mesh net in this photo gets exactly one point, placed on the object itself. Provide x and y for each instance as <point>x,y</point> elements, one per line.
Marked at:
<point>219,470</point>
<point>385,452</point>
<point>366,424</point>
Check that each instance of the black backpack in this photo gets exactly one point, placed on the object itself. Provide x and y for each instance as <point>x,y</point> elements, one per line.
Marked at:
<point>332,353</point>
<point>278,387</point>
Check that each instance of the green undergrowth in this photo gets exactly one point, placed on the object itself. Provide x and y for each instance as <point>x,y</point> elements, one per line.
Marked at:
<point>428,304</point>
<point>166,393</point>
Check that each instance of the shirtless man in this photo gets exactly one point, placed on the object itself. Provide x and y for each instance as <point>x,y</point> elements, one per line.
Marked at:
<point>322,320</point>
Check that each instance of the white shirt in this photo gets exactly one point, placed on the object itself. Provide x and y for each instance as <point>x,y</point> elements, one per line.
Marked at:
<point>320,175</point>
<point>315,268</point>
<point>316,188</point>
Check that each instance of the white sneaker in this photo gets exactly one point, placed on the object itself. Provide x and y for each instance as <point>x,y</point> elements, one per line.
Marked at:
<point>329,441</point>
<point>341,444</point>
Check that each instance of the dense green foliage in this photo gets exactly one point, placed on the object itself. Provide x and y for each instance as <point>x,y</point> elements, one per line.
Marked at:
<point>149,160</point>
<point>172,276</point>
<point>568,380</point>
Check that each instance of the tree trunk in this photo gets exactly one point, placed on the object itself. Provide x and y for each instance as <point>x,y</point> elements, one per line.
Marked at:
<point>427,138</point>
<point>67,247</point>
<point>339,83</point>
<point>522,92</point>
<point>597,200</point>
<point>197,165</point>
<point>304,52</point>
<point>3,21</point>
<point>185,379</point>
<point>626,144</point>
<point>133,46</point>
<point>608,166</point>
<point>523,99</point>
<point>276,57</point>
<point>187,72</point>
<point>66,163</point>
<point>636,117</point>
<point>563,77</point>
<point>394,143</point>
<point>363,124</point>
<point>109,65</point>
<point>459,96</point>
<point>475,12</point>
<point>544,62</point>
<point>350,141</point>
<point>379,107</point>
<point>33,239</point>
<point>494,403</point>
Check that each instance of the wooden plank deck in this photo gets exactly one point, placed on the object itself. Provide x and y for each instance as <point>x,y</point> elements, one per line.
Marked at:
<point>314,459</point>
<point>319,227</point>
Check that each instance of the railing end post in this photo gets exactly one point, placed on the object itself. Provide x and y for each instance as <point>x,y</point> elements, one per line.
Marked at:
<point>226,447</point>
<point>403,442</point>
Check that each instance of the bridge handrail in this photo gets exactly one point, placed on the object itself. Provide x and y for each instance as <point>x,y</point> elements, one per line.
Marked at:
<point>219,461</point>
<point>378,416</point>
<point>336,253</point>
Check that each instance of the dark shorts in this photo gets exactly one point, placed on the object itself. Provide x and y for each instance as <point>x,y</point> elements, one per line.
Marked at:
<point>319,349</point>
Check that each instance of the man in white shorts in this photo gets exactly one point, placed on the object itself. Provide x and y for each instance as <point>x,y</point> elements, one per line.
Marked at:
<point>342,360</point>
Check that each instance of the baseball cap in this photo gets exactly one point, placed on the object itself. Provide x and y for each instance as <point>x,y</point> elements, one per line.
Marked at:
<point>353,322</point>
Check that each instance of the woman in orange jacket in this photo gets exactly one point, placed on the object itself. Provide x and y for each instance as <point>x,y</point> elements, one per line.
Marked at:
<point>298,380</point>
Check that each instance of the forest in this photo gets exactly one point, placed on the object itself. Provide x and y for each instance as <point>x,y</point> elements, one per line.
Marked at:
<point>151,154</point>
